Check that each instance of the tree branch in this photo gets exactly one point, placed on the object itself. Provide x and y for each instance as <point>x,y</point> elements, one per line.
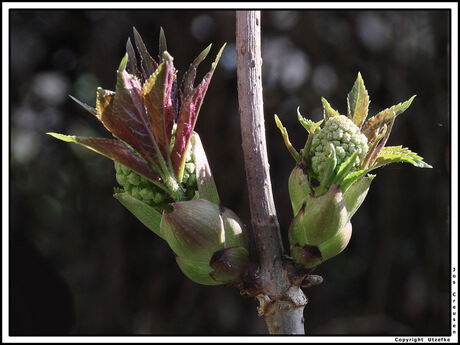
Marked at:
<point>280,303</point>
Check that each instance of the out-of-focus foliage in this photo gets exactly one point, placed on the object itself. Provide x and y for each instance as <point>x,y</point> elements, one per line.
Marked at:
<point>78,247</point>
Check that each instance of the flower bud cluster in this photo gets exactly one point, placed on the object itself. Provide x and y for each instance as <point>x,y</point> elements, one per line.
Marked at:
<point>346,137</point>
<point>139,187</point>
<point>145,190</point>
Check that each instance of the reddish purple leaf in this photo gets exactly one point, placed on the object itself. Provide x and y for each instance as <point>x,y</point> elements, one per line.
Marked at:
<point>113,122</point>
<point>187,117</point>
<point>158,94</point>
<point>113,149</point>
<point>189,77</point>
<point>132,61</point>
<point>148,64</point>
<point>127,118</point>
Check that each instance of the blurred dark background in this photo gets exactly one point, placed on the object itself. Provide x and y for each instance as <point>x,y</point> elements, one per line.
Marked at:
<point>82,264</point>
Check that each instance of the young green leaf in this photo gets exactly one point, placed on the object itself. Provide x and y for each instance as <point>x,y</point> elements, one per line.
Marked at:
<point>327,109</point>
<point>309,125</point>
<point>372,126</point>
<point>358,102</point>
<point>287,142</point>
<point>399,154</point>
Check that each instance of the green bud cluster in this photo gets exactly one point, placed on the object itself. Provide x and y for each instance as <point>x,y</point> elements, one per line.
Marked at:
<point>345,136</point>
<point>331,178</point>
<point>139,187</point>
<point>145,190</point>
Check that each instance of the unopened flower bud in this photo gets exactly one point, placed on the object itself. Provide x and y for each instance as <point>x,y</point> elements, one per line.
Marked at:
<point>210,241</point>
<point>345,136</point>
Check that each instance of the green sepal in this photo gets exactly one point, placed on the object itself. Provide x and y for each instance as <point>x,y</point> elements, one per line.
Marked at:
<point>327,110</point>
<point>148,215</point>
<point>356,193</point>
<point>320,219</point>
<point>299,188</point>
<point>199,272</point>
<point>358,102</point>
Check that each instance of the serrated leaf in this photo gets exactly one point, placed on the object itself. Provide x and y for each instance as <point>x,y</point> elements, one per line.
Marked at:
<point>373,146</point>
<point>399,154</point>
<point>309,125</point>
<point>186,120</point>
<point>287,142</point>
<point>205,182</point>
<point>158,97</point>
<point>127,117</point>
<point>403,106</point>
<point>113,149</point>
<point>358,102</point>
<point>375,123</point>
<point>382,143</point>
<point>148,216</point>
<point>148,64</point>
<point>84,106</point>
<point>327,109</point>
<point>189,76</point>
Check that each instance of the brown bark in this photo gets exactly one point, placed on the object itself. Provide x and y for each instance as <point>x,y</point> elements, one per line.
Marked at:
<point>281,304</point>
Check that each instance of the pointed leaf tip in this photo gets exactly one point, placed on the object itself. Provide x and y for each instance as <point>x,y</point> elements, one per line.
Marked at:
<point>123,63</point>
<point>84,105</point>
<point>358,102</point>
<point>162,45</point>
